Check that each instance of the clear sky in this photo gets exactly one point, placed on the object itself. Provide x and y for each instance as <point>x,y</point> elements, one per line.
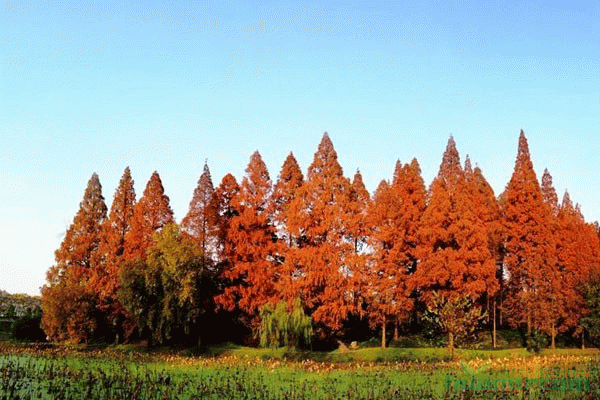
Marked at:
<point>94,87</point>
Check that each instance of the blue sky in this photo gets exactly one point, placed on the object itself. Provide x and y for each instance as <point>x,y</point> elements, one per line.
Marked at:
<point>93,87</point>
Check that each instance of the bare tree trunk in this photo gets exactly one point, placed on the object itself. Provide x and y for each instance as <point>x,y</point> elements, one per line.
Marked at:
<point>583,340</point>
<point>528,322</point>
<point>383,335</point>
<point>396,332</point>
<point>451,343</point>
<point>494,326</point>
<point>501,305</point>
<point>553,345</point>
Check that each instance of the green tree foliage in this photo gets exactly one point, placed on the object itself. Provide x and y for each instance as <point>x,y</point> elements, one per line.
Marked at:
<point>456,314</point>
<point>284,325</point>
<point>590,290</point>
<point>27,327</point>
<point>165,291</point>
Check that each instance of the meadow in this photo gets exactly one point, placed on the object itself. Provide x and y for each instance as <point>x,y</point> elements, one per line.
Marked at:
<point>233,372</point>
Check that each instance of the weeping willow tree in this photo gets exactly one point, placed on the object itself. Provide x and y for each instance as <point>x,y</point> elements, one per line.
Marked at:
<point>282,326</point>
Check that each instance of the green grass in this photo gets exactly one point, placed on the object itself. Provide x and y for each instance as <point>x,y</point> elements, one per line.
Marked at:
<point>237,372</point>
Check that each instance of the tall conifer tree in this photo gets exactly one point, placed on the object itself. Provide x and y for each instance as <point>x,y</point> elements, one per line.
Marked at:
<point>530,249</point>
<point>151,214</point>
<point>251,271</point>
<point>223,211</point>
<point>320,213</point>
<point>67,303</point>
<point>105,281</point>
<point>197,221</point>
<point>453,251</point>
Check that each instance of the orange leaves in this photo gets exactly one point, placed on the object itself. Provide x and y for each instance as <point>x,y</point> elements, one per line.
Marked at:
<point>453,243</point>
<point>197,222</point>
<point>325,241</point>
<point>152,213</point>
<point>250,267</point>
<point>68,306</point>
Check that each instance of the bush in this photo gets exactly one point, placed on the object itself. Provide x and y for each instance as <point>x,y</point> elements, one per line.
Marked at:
<point>536,340</point>
<point>27,328</point>
<point>282,326</point>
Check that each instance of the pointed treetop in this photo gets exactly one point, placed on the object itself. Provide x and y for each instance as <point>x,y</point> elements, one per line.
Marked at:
<point>450,168</point>
<point>325,161</point>
<point>121,209</point>
<point>523,146</point>
<point>397,173</point>
<point>290,178</point>
<point>567,204</point>
<point>468,168</point>
<point>359,188</point>
<point>414,165</point>
<point>195,223</point>
<point>155,207</point>
<point>523,173</point>
<point>257,180</point>
<point>81,239</point>
<point>381,190</point>
<point>93,201</point>
<point>290,170</point>
<point>256,185</point>
<point>548,193</point>
<point>357,175</point>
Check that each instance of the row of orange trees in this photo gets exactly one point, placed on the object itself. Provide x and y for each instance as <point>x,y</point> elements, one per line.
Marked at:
<point>455,251</point>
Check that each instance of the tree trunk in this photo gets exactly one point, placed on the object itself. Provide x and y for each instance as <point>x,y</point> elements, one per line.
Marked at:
<point>494,326</point>
<point>383,335</point>
<point>396,333</point>
<point>553,345</point>
<point>501,306</point>
<point>582,340</point>
<point>528,322</point>
<point>451,343</point>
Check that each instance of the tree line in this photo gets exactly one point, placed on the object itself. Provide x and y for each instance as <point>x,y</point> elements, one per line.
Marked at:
<point>321,247</point>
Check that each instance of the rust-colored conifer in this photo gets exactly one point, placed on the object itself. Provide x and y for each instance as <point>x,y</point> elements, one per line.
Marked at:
<point>105,279</point>
<point>453,249</point>
<point>197,221</point>
<point>151,214</point>
<point>529,243</point>
<point>67,303</point>
<point>251,272</point>
<point>325,278</point>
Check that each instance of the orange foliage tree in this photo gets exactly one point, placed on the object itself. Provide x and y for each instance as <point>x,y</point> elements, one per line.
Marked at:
<point>488,209</point>
<point>577,260</point>
<point>394,217</point>
<point>324,277</point>
<point>197,222</point>
<point>151,214</point>
<point>250,272</point>
<point>223,210</point>
<point>530,248</point>
<point>68,305</point>
<point>105,278</point>
<point>285,191</point>
<point>453,244</point>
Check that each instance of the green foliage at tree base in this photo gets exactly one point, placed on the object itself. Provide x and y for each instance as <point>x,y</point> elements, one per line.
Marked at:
<point>281,326</point>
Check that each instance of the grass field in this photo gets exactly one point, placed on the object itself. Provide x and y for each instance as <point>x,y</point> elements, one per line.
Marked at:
<point>234,372</point>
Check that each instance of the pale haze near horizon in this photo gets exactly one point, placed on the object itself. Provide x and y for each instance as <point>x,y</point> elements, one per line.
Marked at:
<point>95,87</point>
